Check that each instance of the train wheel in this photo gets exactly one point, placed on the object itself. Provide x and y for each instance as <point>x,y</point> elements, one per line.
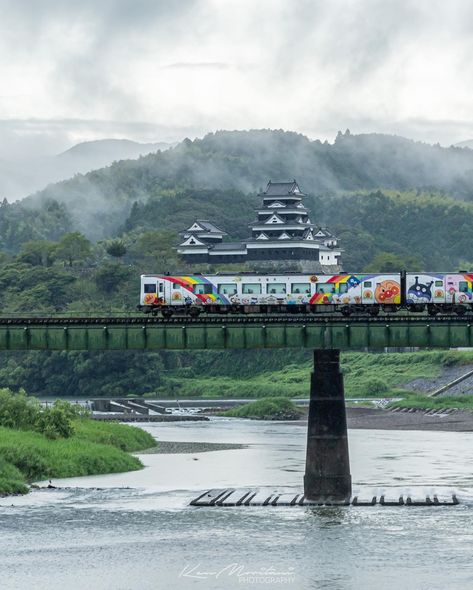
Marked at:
<point>374,311</point>
<point>194,312</point>
<point>167,313</point>
<point>346,311</point>
<point>460,310</point>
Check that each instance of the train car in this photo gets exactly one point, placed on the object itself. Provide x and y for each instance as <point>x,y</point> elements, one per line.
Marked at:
<point>251,293</point>
<point>439,292</point>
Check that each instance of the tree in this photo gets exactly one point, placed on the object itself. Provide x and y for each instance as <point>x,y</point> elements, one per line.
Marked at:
<point>73,247</point>
<point>155,250</point>
<point>38,253</point>
<point>116,248</point>
<point>110,276</point>
<point>389,262</point>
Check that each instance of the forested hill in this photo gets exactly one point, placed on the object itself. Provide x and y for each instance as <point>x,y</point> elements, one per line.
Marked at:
<point>131,214</point>
<point>245,160</point>
<point>217,177</point>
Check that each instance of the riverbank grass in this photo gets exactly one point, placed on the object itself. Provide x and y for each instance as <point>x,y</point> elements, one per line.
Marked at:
<point>268,408</point>
<point>281,375</point>
<point>38,443</point>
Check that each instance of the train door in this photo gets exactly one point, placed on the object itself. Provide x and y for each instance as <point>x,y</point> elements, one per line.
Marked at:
<point>161,291</point>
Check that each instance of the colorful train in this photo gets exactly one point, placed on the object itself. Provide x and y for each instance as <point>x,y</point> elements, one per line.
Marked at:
<point>346,293</point>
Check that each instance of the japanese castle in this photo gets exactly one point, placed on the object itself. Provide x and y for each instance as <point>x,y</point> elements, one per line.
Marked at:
<point>281,236</point>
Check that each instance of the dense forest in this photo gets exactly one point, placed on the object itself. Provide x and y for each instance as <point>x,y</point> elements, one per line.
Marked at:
<point>80,245</point>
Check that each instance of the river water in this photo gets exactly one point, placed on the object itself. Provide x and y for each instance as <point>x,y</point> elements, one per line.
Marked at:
<point>136,530</point>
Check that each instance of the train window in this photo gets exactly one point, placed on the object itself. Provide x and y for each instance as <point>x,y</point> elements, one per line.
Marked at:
<point>251,289</point>
<point>176,286</point>
<point>276,289</point>
<point>202,289</point>
<point>325,288</point>
<point>463,287</point>
<point>367,284</point>
<point>303,288</point>
<point>150,287</point>
<point>227,289</point>
<point>439,283</point>
<point>343,288</point>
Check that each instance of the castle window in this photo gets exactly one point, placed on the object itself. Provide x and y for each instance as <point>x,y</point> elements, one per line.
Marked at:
<point>251,289</point>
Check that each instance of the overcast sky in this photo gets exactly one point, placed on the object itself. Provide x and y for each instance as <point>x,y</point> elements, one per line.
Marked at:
<point>155,70</point>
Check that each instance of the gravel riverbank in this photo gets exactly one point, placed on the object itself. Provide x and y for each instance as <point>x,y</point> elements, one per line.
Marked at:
<point>377,419</point>
<point>171,447</point>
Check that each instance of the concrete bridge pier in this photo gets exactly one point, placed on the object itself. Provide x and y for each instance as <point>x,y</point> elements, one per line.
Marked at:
<point>327,472</point>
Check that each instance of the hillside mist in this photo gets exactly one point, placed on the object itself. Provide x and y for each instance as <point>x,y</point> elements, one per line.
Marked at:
<point>100,201</point>
<point>21,176</point>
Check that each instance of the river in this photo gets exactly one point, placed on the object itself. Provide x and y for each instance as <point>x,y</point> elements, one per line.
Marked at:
<point>136,530</point>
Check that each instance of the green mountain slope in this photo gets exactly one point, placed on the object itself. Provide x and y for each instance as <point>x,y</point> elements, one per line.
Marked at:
<point>245,160</point>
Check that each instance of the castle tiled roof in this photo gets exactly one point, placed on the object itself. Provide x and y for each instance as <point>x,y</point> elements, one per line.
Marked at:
<point>275,189</point>
<point>206,226</point>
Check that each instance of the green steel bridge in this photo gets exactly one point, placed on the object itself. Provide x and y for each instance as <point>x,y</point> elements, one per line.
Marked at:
<point>234,332</point>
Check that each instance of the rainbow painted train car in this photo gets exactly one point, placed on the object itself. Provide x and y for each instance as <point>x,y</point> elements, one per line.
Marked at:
<point>347,293</point>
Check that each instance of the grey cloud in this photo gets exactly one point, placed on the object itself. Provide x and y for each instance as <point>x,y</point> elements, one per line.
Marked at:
<point>22,137</point>
<point>339,47</point>
<point>198,65</point>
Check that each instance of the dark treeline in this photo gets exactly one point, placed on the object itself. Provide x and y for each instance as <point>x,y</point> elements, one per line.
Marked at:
<point>117,373</point>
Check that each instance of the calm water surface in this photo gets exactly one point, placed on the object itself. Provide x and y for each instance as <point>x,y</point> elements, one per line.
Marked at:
<point>136,530</point>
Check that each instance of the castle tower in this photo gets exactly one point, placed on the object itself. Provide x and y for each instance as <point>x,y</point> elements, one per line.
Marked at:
<point>283,231</point>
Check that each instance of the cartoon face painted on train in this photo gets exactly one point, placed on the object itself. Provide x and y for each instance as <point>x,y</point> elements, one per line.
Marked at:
<point>420,292</point>
<point>387,292</point>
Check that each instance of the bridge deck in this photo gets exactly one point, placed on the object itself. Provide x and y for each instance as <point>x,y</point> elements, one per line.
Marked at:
<point>233,332</point>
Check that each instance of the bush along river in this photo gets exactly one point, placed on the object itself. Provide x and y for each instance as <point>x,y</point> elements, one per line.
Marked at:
<point>60,441</point>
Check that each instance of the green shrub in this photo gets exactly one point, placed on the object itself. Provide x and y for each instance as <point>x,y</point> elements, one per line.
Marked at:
<point>375,386</point>
<point>17,410</point>
<point>55,422</point>
<point>269,408</point>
